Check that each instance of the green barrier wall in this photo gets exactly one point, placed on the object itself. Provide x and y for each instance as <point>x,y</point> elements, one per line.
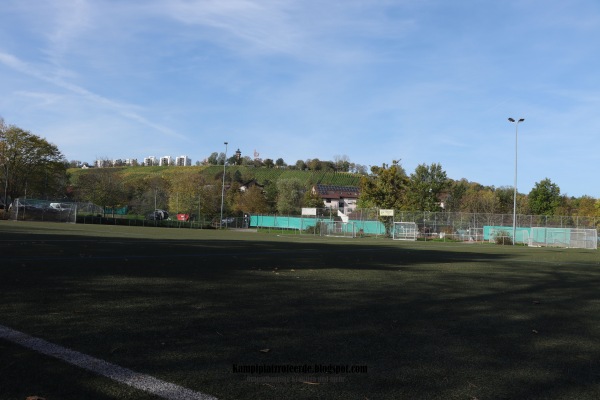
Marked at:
<point>520,236</point>
<point>302,223</point>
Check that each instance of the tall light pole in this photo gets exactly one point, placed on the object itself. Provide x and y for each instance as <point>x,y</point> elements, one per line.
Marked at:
<point>4,160</point>
<point>512,120</point>
<point>223,188</point>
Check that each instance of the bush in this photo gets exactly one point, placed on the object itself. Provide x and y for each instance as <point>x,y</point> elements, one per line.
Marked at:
<point>313,230</point>
<point>503,238</point>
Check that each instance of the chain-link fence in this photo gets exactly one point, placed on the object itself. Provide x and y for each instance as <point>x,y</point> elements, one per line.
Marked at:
<point>89,213</point>
<point>430,225</point>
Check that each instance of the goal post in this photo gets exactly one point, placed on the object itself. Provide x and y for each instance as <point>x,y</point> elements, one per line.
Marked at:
<point>405,231</point>
<point>42,210</point>
<point>337,229</point>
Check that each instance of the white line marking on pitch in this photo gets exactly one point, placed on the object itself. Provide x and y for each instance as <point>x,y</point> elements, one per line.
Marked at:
<point>139,381</point>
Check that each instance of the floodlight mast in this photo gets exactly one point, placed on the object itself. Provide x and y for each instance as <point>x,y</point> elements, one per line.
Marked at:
<point>4,160</point>
<point>512,120</point>
<point>223,187</point>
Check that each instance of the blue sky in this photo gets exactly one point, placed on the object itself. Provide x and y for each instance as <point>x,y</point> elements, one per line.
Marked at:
<point>423,81</point>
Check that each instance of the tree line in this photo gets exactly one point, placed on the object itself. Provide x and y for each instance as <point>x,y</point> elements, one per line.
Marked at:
<point>429,189</point>
<point>30,165</point>
<point>340,163</point>
<point>33,167</point>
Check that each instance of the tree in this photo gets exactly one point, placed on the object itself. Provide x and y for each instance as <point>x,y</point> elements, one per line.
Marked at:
<point>342,163</point>
<point>481,201</point>
<point>252,200</point>
<point>290,195</point>
<point>232,196</point>
<point>269,163</point>
<point>359,169</point>
<point>103,187</point>
<point>586,206</point>
<point>279,163</point>
<point>544,198</point>
<point>185,193</point>
<point>328,166</point>
<point>247,161</point>
<point>146,193</point>
<point>4,165</point>
<point>505,197</point>
<point>312,199</point>
<point>213,159</point>
<point>30,165</point>
<point>300,165</point>
<point>233,160</point>
<point>425,187</point>
<point>271,193</point>
<point>566,206</point>
<point>456,192</point>
<point>385,188</point>
<point>210,200</point>
<point>314,164</point>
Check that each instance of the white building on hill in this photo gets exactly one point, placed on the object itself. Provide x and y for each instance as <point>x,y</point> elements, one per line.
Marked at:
<point>183,161</point>
<point>165,161</point>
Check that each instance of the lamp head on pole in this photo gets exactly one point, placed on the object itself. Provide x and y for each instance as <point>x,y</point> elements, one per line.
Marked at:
<point>513,120</point>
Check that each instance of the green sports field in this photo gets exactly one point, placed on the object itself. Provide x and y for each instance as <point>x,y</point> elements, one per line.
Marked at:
<point>329,318</point>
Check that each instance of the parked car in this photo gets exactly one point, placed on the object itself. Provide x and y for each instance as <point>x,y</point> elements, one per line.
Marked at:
<point>60,206</point>
<point>183,217</point>
<point>157,215</point>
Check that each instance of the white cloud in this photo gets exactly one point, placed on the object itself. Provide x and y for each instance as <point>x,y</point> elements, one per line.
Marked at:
<point>69,19</point>
<point>314,31</point>
<point>264,25</point>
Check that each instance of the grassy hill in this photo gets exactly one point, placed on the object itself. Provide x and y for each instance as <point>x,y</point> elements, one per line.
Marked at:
<point>262,174</point>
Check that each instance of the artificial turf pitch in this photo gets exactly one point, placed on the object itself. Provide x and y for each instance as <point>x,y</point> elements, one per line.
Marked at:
<point>191,307</point>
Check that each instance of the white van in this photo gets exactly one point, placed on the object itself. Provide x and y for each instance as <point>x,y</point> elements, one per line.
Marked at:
<point>60,206</point>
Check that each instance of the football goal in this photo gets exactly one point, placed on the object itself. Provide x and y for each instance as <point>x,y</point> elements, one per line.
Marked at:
<point>42,210</point>
<point>564,237</point>
<point>47,210</point>
<point>405,231</point>
<point>337,229</point>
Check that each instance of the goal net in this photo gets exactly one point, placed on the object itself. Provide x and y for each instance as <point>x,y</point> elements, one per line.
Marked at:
<point>405,231</point>
<point>564,237</point>
<point>46,210</point>
<point>337,229</point>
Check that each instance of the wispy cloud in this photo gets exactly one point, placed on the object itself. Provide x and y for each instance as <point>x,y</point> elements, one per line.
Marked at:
<point>310,31</point>
<point>126,110</point>
<point>69,19</point>
<point>266,26</point>
<point>420,80</point>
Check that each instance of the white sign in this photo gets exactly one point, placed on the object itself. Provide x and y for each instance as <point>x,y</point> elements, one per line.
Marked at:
<point>386,213</point>
<point>309,211</point>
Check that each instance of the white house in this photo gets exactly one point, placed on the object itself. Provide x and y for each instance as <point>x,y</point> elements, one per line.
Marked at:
<point>342,198</point>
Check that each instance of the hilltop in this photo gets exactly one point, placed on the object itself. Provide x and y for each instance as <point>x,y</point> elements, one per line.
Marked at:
<point>260,174</point>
